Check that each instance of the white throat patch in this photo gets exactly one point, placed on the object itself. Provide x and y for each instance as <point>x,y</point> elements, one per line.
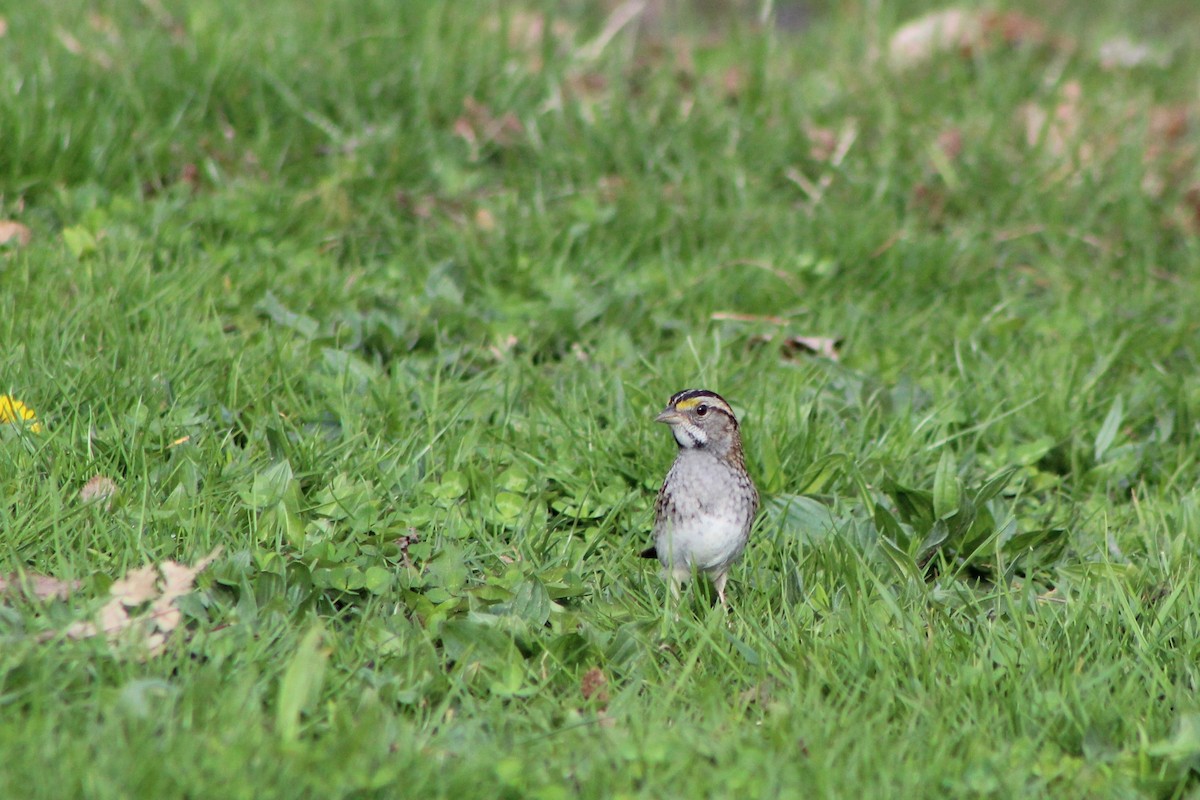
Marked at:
<point>689,435</point>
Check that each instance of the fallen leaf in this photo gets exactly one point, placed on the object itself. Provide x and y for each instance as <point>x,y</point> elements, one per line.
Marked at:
<point>1169,124</point>
<point>160,585</point>
<point>1014,28</point>
<point>527,30</point>
<point>950,142</point>
<point>611,187</point>
<point>965,33</point>
<point>137,586</point>
<point>823,346</point>
<point>3,27</point>
<point>1122,52</point>
<point>40,587</point>
<point>586,85</point>
<point>479,126</point>
<point>791,346</point>
<point>485,220</point>
<point>929,200</point>
<point>594,685</point>
<point>1170,155</point>
<point>948,30</point>
<point>1058,132</point>
<point>1187,213</point>
<point>759,694</point>
<point>822,142</point>
<point>733,82</point>
<point>15,232</point>
<point>100,488</point>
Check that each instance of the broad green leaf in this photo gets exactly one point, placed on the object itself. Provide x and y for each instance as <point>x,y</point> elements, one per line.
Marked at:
<point>995,486</point>
<point>452,486</point>
<point>377,579</point>
<point>269,486</point>
<point>1109,429</point>
<point>915,506</point>
<point>819,473</point>
<point>888,526</point>
<point>300,687</point>
<point>514,479</point>
<point>803,517</point>
<point>509,676</point>
<point>1032,452</point>
<point>946,487</point>
<point>79,240</point>
<point>937,536</point>
<point>531,602</point>
<point>1037,548</point>
<point>900,559</point>
<point>509,505</point>
<point>270,307</point>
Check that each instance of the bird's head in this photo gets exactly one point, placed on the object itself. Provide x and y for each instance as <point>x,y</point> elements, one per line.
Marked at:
<point>703,420</point>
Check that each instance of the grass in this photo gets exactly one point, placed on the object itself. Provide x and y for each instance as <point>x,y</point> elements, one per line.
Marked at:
<point>382,298</point>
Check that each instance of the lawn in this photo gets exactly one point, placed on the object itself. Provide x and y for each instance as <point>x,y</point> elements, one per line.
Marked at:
<point>373,305</point>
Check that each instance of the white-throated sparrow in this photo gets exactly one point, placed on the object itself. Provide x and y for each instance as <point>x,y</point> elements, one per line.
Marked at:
<point>707,502</point>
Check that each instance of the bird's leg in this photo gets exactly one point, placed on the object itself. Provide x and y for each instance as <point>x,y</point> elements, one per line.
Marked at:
<point>719,583</point>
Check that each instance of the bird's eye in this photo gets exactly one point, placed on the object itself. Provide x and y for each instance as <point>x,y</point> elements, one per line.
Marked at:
<point>701,410</point>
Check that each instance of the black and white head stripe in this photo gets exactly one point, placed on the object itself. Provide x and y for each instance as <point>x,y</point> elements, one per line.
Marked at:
<point>700,401</point>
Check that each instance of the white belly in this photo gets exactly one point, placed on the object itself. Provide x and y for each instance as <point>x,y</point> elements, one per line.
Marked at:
<point>705,543</point>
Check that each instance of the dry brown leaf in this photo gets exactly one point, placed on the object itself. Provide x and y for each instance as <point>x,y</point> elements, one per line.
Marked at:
<point>1121,52</point>
<point>759,694</point>
<point>11,231</point>
<point>594,686</point>
<point>485,220</point>
<point>405,542</point>
<point>948,30</point>
<point>964,32</point>
<point>137,586</point>
<point>823,346</point>
<point>113,618</point>
<point>950,142</point>
<point>929,200</point>
<point>421,207</point>
<point>733,82</point>
<point>527,30</point>
<point>1187,211</point>
<point>100,489</point>
<point>585,85</point>
<point>501,350</point>
<point>479,126</point>
<point>1170,155</point>
<point>1057,131</point>
<point>791,346</point>
<point>160,585</point>
<point>40,587</point>
<point>1014,28</point>
<point>1168,124</point>
<point>611,187</point>
<point>822,142</point>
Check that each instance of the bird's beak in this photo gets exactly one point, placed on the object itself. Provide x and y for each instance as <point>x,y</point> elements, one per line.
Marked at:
<point>670,416</point>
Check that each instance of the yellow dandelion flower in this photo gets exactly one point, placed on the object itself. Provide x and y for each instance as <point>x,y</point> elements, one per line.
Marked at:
<point>13,410</point>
